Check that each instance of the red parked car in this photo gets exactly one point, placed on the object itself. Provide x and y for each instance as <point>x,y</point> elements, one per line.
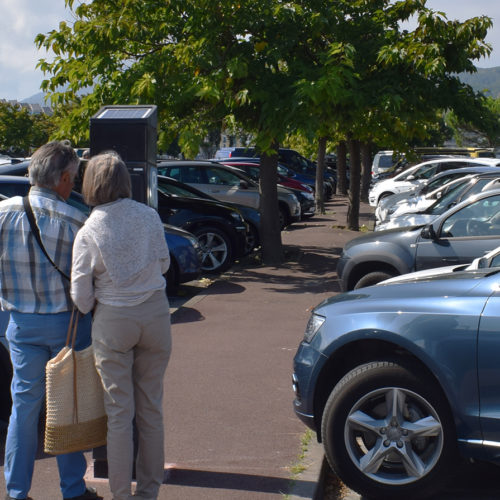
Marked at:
<point>252,170</point>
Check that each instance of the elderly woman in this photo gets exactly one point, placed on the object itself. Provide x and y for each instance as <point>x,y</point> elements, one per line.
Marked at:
<point>119,258</point>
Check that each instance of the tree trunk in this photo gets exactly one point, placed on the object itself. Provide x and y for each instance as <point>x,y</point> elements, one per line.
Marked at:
<point>269,210</point>
<point>320,177</point>
<point>366,170</point>
<point>342,168</point>
<point>354,184</point>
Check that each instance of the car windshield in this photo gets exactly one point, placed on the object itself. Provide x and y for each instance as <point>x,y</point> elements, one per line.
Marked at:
<point>176,190</point>
<point>385,161</point>
<point>477,218</point>
<point>436,183</point>
<point>448,199</point>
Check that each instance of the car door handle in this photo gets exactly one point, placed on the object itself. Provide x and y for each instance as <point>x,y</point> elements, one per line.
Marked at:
<point>451,259</point>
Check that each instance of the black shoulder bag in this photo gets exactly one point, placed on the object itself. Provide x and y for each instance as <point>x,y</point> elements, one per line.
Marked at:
<point>36,233</point>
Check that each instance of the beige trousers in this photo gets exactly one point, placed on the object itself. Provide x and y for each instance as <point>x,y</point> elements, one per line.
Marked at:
<point>132,347</point>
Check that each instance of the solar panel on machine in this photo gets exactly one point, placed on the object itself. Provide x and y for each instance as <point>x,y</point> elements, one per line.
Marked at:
<point>128,112</point>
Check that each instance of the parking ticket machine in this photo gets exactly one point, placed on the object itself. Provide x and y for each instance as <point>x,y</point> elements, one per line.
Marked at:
<point>131,131</point>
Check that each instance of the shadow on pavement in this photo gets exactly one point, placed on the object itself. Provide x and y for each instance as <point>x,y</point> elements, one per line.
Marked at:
<point>312,269</point>
<point>476,481</point>
<point>230,481</point>
<point>224,287</point>
<point>186,315</point>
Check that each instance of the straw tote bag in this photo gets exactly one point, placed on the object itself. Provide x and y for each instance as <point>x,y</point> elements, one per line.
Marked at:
<point>76,419</point>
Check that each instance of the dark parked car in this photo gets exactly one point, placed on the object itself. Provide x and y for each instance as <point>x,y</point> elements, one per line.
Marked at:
<point>185,251</point>
<point>220,228</point>
<point>5,372</point>
<point>401,379</point>
<point>459,235</point>
<point>173,188</point>
<point>20,168</point>
<point>305,175</point>
<point>289,157</point>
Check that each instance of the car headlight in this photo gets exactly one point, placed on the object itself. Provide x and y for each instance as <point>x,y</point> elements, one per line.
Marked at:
<point>194,241</point>
<point>307,195</point>
<point>237,217</point>
<point>313,325</point>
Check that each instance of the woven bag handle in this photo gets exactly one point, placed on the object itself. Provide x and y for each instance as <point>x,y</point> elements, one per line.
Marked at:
<point>71,338</point>
<point>72,328</point>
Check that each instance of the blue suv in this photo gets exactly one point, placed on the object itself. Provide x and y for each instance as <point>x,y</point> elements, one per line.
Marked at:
<point>402,379</point>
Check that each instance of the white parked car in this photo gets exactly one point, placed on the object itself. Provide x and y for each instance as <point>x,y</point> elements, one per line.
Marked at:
<point>430,188</point>
<point>382,162</point>
<point>418,174</point>
<point>459,192</point>
<point>418,202</point>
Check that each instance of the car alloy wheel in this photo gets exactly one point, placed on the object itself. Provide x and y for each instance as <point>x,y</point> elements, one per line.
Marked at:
<point>387,433</point>
<point>215,248</point>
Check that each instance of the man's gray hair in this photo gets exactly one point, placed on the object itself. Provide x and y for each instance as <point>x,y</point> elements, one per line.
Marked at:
<point>50,161</point>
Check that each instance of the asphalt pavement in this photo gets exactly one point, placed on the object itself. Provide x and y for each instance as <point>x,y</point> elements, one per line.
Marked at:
<point>230,429</point>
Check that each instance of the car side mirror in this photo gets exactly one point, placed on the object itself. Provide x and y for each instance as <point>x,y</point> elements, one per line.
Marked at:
<point>243,184</point>
<point>410,178</point>
<point>428,233</point>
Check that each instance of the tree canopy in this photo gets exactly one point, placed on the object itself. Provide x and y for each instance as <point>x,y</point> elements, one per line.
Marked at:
<point>342,68</point>
<point>22,132</point>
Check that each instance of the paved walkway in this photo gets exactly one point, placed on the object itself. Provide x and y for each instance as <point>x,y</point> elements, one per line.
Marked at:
<point>230,428</point>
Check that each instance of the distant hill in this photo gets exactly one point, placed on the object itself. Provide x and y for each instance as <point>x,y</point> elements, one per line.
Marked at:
<point>36,99</point>
<point>485,78</point>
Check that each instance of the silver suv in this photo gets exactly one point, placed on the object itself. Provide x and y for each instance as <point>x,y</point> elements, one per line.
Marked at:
<point>228,184</point>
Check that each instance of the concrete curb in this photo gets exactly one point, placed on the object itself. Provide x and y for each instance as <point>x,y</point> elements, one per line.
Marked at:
<point>307,484</point>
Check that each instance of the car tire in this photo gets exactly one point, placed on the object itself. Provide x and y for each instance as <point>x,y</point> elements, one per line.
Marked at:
<point>388,432</point>
<point>373,278</point>
<point>216,247</point>
<point>172,277</point>
<point>283,217</point>
<point>5,379</point>
<point>252,240</point>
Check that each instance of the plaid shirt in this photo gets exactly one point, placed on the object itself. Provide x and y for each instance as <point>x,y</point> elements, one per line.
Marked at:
<point>28,281</point>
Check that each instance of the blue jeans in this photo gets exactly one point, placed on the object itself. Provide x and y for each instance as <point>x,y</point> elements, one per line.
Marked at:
<point>33,340</point>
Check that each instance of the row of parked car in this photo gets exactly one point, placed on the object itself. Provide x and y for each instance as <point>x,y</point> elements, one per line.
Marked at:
<point>210,215</point>
<point>399,375</point>
<point>217,203</point>
<point>445,212</point>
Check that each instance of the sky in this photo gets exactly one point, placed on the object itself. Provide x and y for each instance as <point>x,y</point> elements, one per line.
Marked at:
<point>22,20</point>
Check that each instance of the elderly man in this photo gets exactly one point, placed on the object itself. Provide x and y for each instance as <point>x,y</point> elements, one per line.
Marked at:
<point>36,293</point>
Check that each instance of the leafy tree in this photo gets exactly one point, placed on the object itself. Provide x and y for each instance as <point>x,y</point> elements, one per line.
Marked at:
<point>21,132</point>
<point>200,61</point>
<point>339,68</point>
<point>404,78</point>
